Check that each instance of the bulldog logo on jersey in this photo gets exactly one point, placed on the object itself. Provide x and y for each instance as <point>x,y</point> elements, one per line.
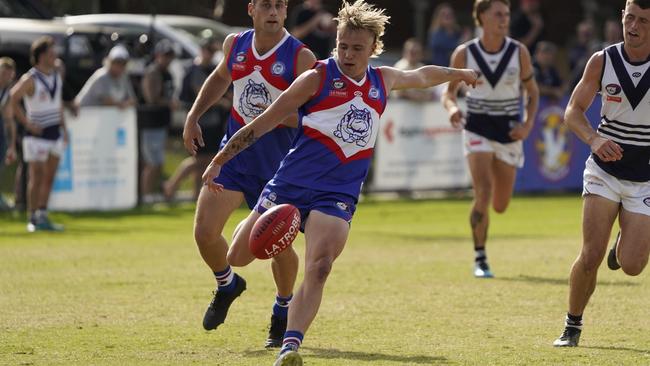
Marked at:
<point>254,100</point>
<point>355,127</point>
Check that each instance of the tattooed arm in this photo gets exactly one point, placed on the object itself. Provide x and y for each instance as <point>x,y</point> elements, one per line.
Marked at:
<point>425,77</point>
<point>305,86</point>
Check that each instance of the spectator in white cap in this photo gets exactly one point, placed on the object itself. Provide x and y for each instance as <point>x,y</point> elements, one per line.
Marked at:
<point>110,85</point>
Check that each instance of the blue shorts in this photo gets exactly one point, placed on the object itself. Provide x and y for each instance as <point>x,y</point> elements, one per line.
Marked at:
<point>305,199</point>
<point>250,185</point>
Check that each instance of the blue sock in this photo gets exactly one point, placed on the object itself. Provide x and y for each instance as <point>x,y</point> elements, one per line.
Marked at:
<point>292,341</point>
<point>281,306</point>
<point>226,280</point>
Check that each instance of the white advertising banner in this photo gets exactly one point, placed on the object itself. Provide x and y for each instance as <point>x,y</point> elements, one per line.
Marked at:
<point>98,170</point>
<point>417,149</point>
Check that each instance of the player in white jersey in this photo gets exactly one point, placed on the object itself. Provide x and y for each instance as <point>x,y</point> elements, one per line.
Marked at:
<point>260,64</point>
<point>617,174</point>
<point>493,130</point>
<point>40,89</point>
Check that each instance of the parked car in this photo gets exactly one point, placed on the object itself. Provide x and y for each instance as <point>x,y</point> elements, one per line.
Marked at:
<point>140,32</point>
<point>23,9</point>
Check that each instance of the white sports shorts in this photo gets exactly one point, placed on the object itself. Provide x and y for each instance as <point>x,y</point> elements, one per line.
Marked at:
<point>38,149</point>
<point>634,196</point>
<point>511,153</point>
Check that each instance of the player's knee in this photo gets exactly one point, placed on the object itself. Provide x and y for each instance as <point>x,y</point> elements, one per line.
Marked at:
<point>203,235</point>
<point>320,269</point>
<point>500,207</point>
<point>590,260</point>
<point>633,267</point>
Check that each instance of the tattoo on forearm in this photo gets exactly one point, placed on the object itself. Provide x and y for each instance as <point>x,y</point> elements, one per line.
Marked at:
<point>447,70</point>
<point>239,141</point>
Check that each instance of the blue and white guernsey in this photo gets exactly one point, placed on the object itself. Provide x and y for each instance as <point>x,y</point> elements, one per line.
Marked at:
<point>339,124</point>
<point>258,80</point>
<point>494,106</point>
<point>625,114</point>
<point>44,107</point>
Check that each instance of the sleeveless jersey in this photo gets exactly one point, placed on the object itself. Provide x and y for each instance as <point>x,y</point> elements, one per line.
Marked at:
<point>625,114</point>
<point>339,127</point>
<point>44,107</point>
<point>494,106</point>
<point>258,80</point>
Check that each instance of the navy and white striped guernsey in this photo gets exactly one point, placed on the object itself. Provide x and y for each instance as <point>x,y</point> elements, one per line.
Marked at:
<point>494,106</point>
<point>625,114</point>
<point>44,107</point>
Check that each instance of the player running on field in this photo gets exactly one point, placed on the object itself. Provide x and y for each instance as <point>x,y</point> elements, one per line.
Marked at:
<point>493,130</point>
<point>617,174</point>
<point>260,63</point>
<point>340,103</point>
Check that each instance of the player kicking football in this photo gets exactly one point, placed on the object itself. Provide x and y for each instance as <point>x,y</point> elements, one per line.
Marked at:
<point>340,101</point>
<point>260,63</point>
<point>617,174</point>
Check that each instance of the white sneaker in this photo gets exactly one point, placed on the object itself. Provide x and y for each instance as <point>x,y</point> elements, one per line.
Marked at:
<point>482,270</point>
<point>289,358</point>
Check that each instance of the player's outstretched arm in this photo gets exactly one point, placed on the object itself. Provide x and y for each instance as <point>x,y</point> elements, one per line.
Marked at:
<point>581,98</point>
<point>521,132</point>
<point>449,97</point>
<point>303,88</point>
<point>214,87</point>
<point>426,76</point>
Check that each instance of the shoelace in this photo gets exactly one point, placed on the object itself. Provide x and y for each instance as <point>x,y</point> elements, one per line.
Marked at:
<point>483,265</point>
<point>569,332</point>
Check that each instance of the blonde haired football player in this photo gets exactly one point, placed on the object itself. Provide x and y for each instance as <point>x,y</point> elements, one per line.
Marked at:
<point>341,101</point>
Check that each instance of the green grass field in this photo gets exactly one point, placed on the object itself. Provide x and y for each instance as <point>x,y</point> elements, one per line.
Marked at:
<point>130,289</point>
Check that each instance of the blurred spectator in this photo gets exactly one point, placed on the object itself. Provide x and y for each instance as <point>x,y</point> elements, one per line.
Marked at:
<point>612,33</point>
<point>41,89</point>
<point>110,85</point>
<point>546,74</point>
<point>445,34</point>
<point>213,121</point>
<point>527,24</point>
<point>314,26</point>
<point>7,147</point>
<point>582,48</point>
<point>411,60</point>
<point>154,116</point>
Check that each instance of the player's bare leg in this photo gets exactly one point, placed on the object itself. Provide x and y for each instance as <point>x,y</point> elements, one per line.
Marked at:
<point>503,177</point>
<point>285,271</point>
<point>634,245</point>
<point>480,166</point>
<point>598,218</point>
<point>36,173</point>
<point>47,182</point>
<point>212,212</point>
<point>325,237</point>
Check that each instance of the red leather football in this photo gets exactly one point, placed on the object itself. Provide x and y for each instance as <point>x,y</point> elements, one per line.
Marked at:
<point>274,231</point>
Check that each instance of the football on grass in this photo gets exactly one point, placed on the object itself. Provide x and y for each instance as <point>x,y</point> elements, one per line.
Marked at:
<point>274,231</point>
